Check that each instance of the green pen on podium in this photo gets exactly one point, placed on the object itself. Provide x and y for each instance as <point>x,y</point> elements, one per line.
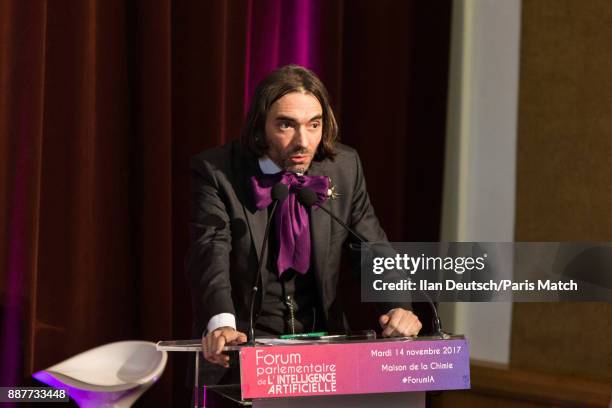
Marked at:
<point>302,335</point>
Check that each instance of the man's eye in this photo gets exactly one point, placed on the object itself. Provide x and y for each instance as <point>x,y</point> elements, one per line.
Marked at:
<point>284,125</point>
<point>315,125</point>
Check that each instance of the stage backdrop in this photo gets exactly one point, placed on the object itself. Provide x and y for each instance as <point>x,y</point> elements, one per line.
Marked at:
<point>102,102</point>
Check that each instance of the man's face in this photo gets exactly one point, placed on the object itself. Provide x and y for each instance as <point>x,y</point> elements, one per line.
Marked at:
<point>294,127</point>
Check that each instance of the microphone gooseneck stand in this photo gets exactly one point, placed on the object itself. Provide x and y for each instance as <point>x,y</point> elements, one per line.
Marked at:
<point>308,198</point>
<point>279,193</point>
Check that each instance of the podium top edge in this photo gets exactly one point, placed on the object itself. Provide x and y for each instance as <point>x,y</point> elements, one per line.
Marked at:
<point>195,345</point>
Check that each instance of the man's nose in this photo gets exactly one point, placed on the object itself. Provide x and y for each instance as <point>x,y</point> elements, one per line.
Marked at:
<point>300,137</point>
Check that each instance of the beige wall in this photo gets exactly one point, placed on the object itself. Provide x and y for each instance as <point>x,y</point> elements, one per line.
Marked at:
<point>480,155</point>
<point>564,173</point>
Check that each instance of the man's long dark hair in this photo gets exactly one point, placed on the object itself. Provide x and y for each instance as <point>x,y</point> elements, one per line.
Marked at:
<point>287,79</point>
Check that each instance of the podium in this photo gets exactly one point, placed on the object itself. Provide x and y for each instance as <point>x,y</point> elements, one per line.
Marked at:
<point>337,371</point>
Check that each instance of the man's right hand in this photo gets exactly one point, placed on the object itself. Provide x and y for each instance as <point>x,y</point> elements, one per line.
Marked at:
<point>213,343</point>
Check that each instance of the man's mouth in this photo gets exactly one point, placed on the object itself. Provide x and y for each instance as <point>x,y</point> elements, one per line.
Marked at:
<point>298,158</point>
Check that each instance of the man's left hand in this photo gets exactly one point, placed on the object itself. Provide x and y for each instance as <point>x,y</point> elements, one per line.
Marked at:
<point>399,323</point>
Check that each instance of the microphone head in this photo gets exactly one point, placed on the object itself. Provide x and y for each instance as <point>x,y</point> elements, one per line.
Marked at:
<point>279,192</point>
<point>307,197</point>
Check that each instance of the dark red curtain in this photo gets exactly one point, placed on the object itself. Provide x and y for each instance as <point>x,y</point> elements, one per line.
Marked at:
<point>102,102</point>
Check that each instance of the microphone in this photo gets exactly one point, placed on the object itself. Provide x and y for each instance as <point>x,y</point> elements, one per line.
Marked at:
<point>307,197</point>
<point>279,193</point>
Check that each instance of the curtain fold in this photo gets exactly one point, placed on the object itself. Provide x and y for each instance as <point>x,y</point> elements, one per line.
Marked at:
<point>22,78</point>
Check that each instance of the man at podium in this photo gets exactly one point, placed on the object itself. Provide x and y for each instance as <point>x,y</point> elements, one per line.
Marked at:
<point>289,138</point>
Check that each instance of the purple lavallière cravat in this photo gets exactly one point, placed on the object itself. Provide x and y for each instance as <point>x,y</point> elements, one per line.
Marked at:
<point>291,218</point>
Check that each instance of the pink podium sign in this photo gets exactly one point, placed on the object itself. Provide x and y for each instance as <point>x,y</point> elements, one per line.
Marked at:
<point>354,368</point>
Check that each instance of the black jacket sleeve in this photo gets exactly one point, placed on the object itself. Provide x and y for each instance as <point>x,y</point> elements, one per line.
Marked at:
<point>207,263</point>
<point>365,223</point>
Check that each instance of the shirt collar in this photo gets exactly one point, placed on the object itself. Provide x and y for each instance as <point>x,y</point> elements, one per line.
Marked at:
<point>267,166</point>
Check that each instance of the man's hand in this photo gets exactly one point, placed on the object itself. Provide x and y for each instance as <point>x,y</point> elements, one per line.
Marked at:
<point>399,323</point>
<point>213,343</point>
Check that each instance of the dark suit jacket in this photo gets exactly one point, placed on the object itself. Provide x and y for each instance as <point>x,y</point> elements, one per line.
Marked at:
<point>227,231</point>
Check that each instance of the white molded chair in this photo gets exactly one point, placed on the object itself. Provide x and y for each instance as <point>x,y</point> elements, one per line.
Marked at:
<point>112,375</point>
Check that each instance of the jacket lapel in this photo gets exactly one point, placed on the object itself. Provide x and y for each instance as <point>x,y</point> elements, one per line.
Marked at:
<point>246,167</point>
<point>320,232</point>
